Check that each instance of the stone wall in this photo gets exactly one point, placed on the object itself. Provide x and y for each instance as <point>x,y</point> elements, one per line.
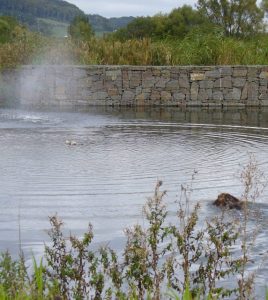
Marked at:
<point>136,86</point>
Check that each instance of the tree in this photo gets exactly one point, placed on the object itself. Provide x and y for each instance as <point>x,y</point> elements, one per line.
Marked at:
<point>176,24</point>
<point>264,6</point>
<point>236,17</point>
<point>182,20</point>
<point>80,28</point>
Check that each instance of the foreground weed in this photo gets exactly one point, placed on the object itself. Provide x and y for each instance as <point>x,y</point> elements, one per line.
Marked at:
<point>254,183</point>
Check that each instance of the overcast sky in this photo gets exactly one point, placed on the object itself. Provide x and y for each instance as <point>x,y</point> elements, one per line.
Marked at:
<point>119,8</point>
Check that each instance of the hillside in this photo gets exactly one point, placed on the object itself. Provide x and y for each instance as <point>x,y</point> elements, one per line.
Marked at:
<point>102,24</point>
<point>52,17</point>
<point>51,9</point>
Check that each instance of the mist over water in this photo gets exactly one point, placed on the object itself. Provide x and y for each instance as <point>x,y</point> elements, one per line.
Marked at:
<point>119,154</point>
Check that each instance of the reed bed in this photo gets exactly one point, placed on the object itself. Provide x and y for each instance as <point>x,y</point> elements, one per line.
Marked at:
<point>194,49</point>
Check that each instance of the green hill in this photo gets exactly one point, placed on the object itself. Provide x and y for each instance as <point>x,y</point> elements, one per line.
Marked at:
<point>101,24</point>
<point>39,15</point>
<point>50,9</point>
<point>52,17</point>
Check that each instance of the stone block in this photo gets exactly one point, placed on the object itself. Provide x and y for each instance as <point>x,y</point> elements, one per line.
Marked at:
<point>202,95</point>
<point>244,94</point>
<point>236,93</point>
<point>217,83</point>
<point>239,82</point>
<point>233,95</point>
<point>99,95</point>
<point>206,84</point>
<point>184,82</point>
<point>194,103</point>
<point>140,99</point>
<point>165,74</point>
<point>136,75</point>
<point>209,93</point>
<point>148,74</point>
<point>134,82</point>
<point>226,82</point>
<point>138,90</point>
<point>125,84</point>
<point>253,91</point>
<point>194,91</point>
<point>264,75</point>
<point>96,78</point>
<point>155,95</point>
<point>214,74</point>
<point>252,72</point>
<point>252,79</point>
<point>226,71</point>
<point>263,94</point>
<point>128,96</point>
<point>240,72</point>
<point>146,90</point>
<point>109,85</point>
<point>161,82</point>
<point>148,82</point>
<point>217,95</point>
<point>165,96</point>
<point>197,76</point>
<point>98,86</point>
<point>113,91</point>
<point>172,85</point>
<point>174,75</point>
<point>115,99</point>
<point>264,102</point>
<point>264,82</point>
<point>156,72</point>
<point>125,75</point>
<point>113,74</point>
<point>179,96</point>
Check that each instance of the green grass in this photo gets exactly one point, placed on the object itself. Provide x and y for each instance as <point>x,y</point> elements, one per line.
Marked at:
<point>195,49</point>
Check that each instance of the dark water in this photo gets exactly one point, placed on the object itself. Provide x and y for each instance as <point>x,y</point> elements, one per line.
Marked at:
<point>119,155</point>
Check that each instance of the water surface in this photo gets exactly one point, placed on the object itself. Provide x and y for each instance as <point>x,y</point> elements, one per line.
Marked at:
<point>119,155</point>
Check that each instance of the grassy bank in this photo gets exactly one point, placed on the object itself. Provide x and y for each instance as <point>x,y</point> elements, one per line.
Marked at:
<point>194,49</point>
<point>183,260</point>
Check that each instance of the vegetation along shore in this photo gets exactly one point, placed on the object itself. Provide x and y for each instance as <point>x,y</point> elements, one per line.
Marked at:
<point>211,33</point>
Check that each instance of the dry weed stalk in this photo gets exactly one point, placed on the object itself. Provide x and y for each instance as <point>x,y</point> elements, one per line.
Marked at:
<point>254,182</point>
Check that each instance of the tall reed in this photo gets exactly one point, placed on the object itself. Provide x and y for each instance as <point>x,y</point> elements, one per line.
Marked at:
<point>197,48</point>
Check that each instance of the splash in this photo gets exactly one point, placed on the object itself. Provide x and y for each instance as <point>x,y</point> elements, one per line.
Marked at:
<point>47,80</point>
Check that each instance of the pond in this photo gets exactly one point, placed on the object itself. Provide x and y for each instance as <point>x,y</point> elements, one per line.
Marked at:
<point>118,157</point>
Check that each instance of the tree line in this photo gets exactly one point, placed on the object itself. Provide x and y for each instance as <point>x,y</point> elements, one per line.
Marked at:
<point>236,18</point>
